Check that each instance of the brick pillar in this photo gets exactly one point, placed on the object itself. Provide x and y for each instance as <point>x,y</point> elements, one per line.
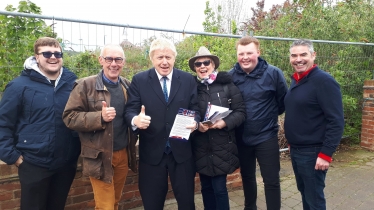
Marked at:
<point>367,130</point>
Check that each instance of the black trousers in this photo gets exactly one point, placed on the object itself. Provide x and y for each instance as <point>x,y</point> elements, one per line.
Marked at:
<point>44,189</point>
<point>267,156</point>
<point>153,183</point>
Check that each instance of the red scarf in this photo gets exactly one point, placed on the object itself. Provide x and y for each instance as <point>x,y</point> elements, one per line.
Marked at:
<point>298,76</point>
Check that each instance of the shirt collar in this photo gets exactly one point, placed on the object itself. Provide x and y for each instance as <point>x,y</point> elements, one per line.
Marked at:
<point>169,76</point>
<point>110,81</point>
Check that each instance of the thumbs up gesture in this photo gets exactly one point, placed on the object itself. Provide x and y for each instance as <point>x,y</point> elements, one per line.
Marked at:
<point>142,121</point>
<point>108,113</point>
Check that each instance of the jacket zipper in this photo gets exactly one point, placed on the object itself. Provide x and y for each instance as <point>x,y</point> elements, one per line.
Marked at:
<point>219,99</point>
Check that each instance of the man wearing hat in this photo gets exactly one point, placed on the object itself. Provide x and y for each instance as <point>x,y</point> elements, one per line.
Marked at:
<point>263,88</point>
<point>214,146</point>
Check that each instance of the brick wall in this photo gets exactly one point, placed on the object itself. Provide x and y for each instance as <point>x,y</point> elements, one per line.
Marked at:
<point>367,131</point>
<point>81,195</point>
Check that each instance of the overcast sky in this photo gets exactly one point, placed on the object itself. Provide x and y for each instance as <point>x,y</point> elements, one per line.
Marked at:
<point>170,14</point>
<point>165,14</point>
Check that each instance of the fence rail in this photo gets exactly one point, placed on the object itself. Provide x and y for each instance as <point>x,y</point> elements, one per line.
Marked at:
<point>349,62</point>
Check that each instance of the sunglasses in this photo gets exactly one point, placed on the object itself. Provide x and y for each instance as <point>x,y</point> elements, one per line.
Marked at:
<point>49,54</point>
<point>206,63</point>
<point>109,60</point>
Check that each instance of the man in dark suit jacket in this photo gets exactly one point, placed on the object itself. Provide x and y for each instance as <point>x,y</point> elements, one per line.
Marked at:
<point>155,96</point>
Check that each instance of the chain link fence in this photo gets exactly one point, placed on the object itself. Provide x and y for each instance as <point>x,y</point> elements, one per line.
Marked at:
<point>349,62</point>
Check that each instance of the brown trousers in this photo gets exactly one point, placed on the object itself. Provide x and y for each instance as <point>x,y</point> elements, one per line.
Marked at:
<point>108,195</point>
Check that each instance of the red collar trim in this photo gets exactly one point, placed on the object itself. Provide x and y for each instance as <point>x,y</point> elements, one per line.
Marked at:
<point>298,76</point>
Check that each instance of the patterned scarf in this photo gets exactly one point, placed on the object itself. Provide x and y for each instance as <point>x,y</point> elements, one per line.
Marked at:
<point>210,79</point>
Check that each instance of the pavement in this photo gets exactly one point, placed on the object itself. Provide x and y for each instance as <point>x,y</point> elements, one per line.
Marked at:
<point>349,184</point>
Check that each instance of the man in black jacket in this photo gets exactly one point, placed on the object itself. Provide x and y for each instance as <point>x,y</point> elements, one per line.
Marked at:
<point>313,124</point>
<point>32,134</point>
<point>263,88</point>
<point>155,97</point>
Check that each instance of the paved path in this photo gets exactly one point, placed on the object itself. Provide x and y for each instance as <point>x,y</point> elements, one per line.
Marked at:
<point>349,185</point>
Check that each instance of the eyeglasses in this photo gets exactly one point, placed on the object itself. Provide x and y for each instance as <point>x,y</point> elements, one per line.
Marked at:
<point>49,54</point>
<point>206,63</point>
<point>109,60</point>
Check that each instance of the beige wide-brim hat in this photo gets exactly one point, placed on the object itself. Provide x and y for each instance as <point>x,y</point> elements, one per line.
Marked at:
<point>203,52</point>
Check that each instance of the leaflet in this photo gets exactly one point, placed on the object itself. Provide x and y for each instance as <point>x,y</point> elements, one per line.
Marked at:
<point>184,118</point>
<point>215,113</point>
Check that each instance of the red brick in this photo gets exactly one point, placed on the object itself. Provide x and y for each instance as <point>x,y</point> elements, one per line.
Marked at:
<point>84,181</point>
<point>366,126</point>
<point>369,83</point>
<point>128,196</point>
<point>129,205</point>
<point>369,109</point>
<point>17,193</point>
<point>82,198</point>
<point>170,195</point>
<point>130,188</point>
<point>75,206</point>
<point>8,171</point>
<point>234,185</point>
<point>6,196</point>
<point>368,92</point>
<point>77,191</point>
<point>10,204</point>
<point>367,146</point>
<point>9,186</point>
<point>131,173</point>
<point>232,177</point>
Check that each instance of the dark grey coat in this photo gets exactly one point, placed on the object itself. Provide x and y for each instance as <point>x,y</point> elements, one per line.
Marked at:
<point>215,151</point>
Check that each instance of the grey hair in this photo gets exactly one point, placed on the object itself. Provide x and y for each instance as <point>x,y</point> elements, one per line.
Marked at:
<point>160,44</point>
<point>303,42</point>
<point>112,46</point>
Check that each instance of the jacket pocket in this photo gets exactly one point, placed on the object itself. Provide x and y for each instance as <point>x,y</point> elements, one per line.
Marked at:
<point>223,137</point>
<point>37,147</point>
<point>92,162</point>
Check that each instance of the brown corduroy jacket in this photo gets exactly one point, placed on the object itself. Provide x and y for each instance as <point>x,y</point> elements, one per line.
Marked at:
<point>83,114</point>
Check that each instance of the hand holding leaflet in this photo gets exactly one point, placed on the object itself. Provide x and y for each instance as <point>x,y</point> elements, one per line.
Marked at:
<point>215,113</point>
<point>184,118</point>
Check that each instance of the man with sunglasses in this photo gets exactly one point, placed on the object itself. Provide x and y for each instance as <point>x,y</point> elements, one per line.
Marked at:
<point>96,109</point>
<point>263,88</point>
<point>32,134</point>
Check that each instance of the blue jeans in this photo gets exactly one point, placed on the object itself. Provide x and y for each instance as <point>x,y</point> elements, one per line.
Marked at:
<point>267,156</point>
<point>310,182</point>
<point>214,192</point>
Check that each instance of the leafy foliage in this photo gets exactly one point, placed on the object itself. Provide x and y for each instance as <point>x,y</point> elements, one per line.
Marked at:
<point>349,21</point>
<point>17,37</point>
<point>213,21</point>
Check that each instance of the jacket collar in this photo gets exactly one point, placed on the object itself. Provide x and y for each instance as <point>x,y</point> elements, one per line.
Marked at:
<point>257,72</point>
<point>100,85</point>
<point>305,79</point>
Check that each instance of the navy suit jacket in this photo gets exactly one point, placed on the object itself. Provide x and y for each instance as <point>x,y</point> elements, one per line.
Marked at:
<point>145,89</point>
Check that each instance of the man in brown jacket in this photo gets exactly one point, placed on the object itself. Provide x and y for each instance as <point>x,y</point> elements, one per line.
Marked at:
<point>96,109</point>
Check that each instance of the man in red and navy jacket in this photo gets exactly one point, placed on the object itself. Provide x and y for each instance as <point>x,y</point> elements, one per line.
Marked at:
<point>314,123</point>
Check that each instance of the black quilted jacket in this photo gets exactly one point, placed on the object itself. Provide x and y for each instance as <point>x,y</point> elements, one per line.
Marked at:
<point>215,151</point>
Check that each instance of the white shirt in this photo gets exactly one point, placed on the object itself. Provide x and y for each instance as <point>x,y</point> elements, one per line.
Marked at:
<point>168,81</point>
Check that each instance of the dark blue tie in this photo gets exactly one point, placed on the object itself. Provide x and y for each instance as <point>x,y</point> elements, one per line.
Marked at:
<point>165,89</point>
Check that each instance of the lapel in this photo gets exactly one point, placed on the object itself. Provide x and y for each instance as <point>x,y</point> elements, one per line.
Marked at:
<point>155,85</point>
<point>175,84</point>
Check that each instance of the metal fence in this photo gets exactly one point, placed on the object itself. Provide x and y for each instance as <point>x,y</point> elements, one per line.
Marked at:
<point>349,62</point>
